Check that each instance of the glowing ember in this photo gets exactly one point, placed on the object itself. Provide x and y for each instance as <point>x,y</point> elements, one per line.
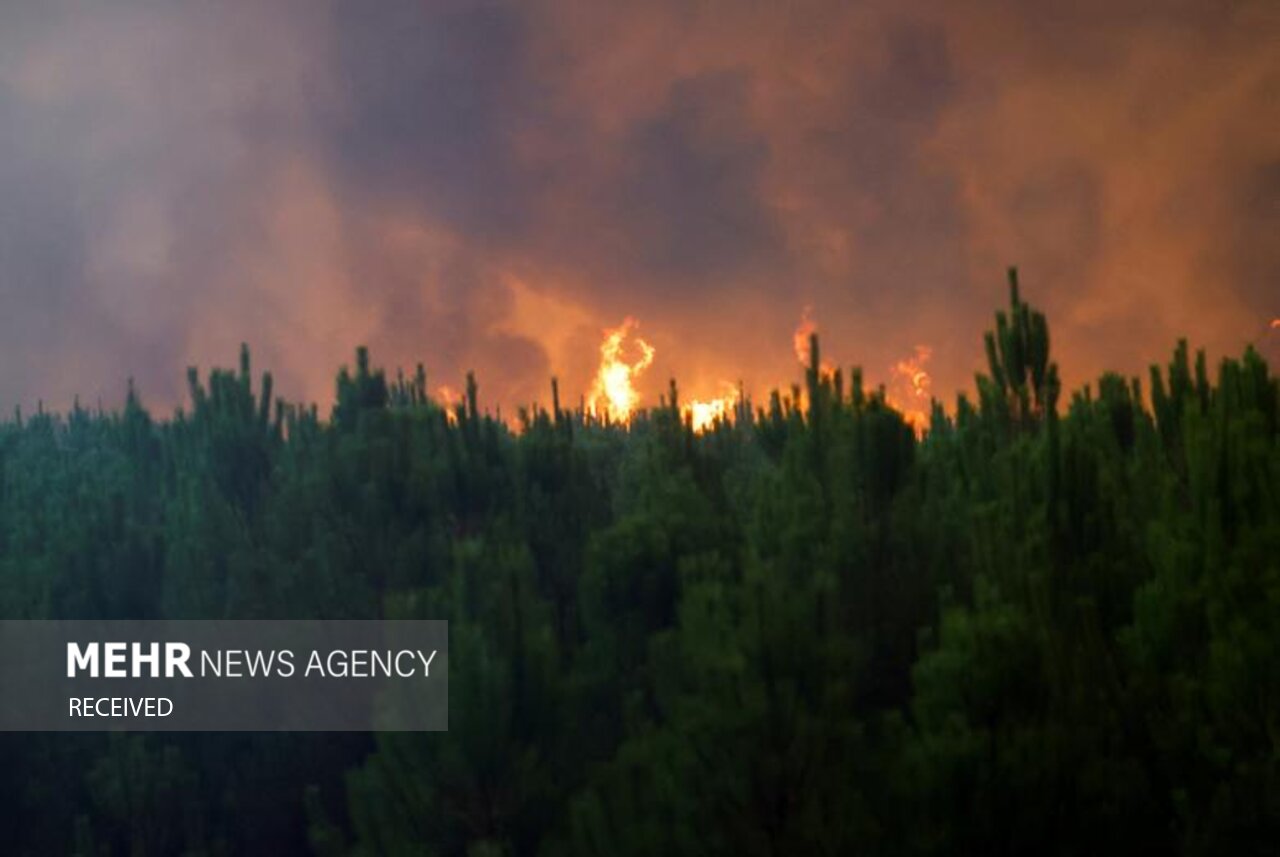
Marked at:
<point>613,394</point>
<point>1275,323</point>
<point>703,415</point>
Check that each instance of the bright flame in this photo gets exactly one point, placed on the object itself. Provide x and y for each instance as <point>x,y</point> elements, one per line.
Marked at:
<point>704,414</point>
<point>800,341</point>
<point>913,370</point>
<point>614,394</point>
<point>914,401</point>
<point>449,400</point>
<point>804,330</point>
<point>1275,323</point>
<point>624,356</point>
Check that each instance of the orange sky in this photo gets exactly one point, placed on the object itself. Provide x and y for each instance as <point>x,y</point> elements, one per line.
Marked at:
<point>491,187</point>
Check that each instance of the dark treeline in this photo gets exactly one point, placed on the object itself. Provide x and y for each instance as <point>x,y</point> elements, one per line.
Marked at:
<point>1049,627</point>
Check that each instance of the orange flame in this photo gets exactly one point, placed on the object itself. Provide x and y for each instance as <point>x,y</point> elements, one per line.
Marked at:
<point>915,400</point>
<point>913,370</point>
<point>804,330</point>
<point>449,400</point>
<point>1275,323</point>
<point>800,341</point>
<point>613,395</point>
<point>704,414</point>
<point>624,356</point>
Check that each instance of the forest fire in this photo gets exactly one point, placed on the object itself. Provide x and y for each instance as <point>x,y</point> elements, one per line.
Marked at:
<point>804,331</point>
<point>913,370</point>
<point>703,415</point>
<point>801,340</point>
<point>914,401</point>
<point>613,395</point>
<point>449,400</point>
<point>910,387</point>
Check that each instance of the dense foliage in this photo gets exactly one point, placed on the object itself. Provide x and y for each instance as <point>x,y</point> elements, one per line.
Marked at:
<point>1045,628</point>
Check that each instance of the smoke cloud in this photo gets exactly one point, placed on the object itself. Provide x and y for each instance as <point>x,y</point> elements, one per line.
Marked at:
<point>488,186</point>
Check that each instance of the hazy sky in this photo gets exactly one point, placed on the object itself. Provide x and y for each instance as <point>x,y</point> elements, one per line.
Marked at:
<point>488,186</point>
